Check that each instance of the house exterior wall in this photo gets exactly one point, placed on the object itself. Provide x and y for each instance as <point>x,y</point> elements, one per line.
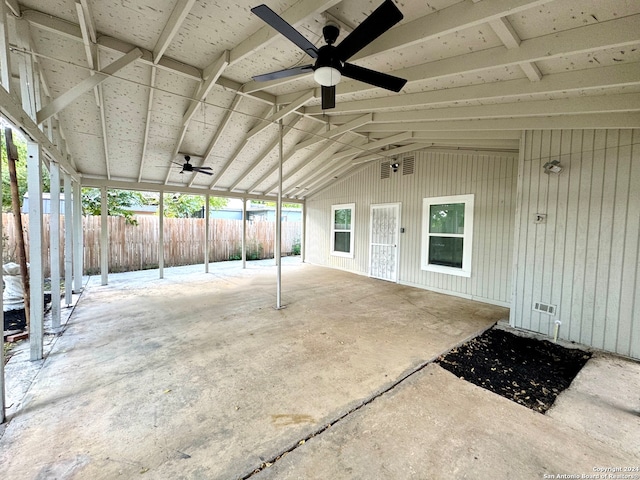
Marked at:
<point>584,257</point>
<point>490,177</point>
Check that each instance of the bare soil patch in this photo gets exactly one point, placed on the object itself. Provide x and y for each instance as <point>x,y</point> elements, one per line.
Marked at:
<point>525,370</point>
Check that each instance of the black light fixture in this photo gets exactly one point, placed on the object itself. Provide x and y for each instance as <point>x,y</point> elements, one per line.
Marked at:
<point>395,166</point>
<point>552,166</point>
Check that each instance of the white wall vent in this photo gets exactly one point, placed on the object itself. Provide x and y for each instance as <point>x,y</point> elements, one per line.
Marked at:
<point>385,170</point>
<point>408,164</point>
<point>545,308</point>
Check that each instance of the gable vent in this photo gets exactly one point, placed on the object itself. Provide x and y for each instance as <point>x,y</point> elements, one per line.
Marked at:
<point>544,308</point>
<point>385,169</point>
<point>408,165</point>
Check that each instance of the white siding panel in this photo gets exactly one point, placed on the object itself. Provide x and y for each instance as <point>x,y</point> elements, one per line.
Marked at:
<point>584,258</point>
<point>491,177</point>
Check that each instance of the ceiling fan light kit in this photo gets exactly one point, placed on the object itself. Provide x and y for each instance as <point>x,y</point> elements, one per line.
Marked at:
<point>331,60</point>
<point>327,76</point>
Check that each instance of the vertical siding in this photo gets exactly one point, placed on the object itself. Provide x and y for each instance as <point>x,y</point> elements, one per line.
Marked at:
<point>491,177</point>
<point>584,258</point>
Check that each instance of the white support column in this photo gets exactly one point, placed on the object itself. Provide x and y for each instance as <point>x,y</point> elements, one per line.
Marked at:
<point>104,236</point>
<point>5,57</point>
<point>2,389</point>
<point>161,235</point>
<point>54,242</point>
<point>303,233</point>
<point>244,233</point>
<point>206,233</point>
<point>278,249</point>
<point>78,251</point>
<point>68,240</point>
<point>36,272</point>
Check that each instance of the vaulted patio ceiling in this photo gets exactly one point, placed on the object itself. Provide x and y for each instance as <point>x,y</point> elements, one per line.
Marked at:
<point>128,86</point>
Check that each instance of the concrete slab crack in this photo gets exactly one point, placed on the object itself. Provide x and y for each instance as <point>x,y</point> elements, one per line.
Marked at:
<point>268,463</point>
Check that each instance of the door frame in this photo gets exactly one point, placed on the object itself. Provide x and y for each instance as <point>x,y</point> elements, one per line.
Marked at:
<point>398,206</point>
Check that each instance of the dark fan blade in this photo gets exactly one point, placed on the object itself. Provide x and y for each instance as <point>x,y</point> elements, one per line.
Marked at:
<point>288,72</point>
<point>381,19</point>
<point>328,97</point>
<point>372,77</point>
<point>176,163</point>
<point>277,22</point>
<point>202,170</point>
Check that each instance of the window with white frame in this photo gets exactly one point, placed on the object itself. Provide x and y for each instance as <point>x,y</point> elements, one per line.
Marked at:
<point>447,234</point>
<point>342,221</point>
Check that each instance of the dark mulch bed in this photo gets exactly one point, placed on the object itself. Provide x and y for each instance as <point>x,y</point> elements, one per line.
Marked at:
<point>528,371</point>
<point>15,320</point>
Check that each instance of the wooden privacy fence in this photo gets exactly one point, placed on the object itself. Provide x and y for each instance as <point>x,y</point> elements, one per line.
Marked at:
<point>135,247</point>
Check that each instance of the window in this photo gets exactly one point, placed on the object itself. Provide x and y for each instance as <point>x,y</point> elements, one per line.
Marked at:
<point>342,218</point>
<point>447,229</point>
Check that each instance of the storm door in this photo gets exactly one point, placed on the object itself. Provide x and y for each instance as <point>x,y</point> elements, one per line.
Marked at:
<point>385,235</point>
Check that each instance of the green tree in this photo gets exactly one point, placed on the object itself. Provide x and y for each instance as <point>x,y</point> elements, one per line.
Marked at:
<point>185,206</point>
<point>21,171</point>
<point>119,203</point>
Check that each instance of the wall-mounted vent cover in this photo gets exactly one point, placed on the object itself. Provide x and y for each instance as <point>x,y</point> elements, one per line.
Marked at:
<point>385,170</point>
<point>408,165</point>
<point>545,308</point>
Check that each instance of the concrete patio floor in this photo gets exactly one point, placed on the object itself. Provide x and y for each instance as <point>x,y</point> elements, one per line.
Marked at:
<point>197,376</point>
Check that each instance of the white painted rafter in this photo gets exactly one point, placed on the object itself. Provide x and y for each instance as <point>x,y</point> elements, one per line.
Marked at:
<point>87,84</point>
<point>320,157</point>
<point>283,112</point>
<point>88,33</point>
<point>618,33</point>
<point>354,151</point>
<point>226,120</point>
<point>624,102</point>
<point>579,121</point>
<point>14,7</point>
<point>431,26</point>
<point>299,11</point>
<point>287,157</point>
<point>265,152</point>
<point>389,153</point>
<point>218,175</point>
<point>113,45</point>
<point>214,70</point>
<point>179,13</point>
<point>147,125</point>
<point>346,127</point>
<point>507,34</point>
<point>614,76</point>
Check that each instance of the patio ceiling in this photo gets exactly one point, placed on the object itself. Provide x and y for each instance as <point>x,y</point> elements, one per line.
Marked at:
<point>129,86</point>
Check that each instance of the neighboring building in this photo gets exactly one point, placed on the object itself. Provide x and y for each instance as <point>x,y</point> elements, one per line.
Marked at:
<point>556,248</point>
<point>255,212</point>
<point>46,203</point>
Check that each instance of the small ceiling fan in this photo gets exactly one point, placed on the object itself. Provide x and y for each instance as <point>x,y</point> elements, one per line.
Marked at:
<point>331,60</point>
<point>187,167</point>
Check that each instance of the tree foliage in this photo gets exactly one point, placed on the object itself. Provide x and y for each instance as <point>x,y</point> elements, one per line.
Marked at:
<point>119,203</point>
<point>21,171</point>
<point>184,206</point>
